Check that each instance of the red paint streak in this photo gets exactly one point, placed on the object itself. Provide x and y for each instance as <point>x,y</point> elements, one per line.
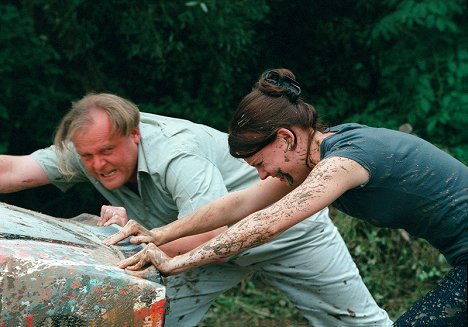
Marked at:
<point>152,317</point>
<point>29,321</point>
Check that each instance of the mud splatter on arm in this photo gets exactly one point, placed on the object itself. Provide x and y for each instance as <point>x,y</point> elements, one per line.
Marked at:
<point>227,210</point>
<point>326,182</point>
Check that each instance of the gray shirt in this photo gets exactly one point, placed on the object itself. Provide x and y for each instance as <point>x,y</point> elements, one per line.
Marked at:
<point>181,166</point>
<point>413,185</point>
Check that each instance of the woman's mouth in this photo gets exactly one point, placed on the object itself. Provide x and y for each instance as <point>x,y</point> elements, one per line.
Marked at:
<point>284,176</point>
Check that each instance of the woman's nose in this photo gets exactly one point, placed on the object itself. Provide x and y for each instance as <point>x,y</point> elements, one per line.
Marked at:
<point>262,173</point>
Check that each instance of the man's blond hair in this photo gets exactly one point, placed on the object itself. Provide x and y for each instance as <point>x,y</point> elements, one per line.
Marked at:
<point>123,114</point>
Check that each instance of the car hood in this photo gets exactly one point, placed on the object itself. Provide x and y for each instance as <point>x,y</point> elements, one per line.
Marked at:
<point>79,235</point>
<point>54,267</point>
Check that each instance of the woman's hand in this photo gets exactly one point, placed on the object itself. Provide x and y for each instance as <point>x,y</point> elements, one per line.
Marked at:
<point>151,254</point>
<point>112,215</point>
<point>132,228</point>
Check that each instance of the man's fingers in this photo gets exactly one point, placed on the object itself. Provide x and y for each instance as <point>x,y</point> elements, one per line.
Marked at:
<point>112,215</point>
<point>104,215</point>
<point>114,219</point>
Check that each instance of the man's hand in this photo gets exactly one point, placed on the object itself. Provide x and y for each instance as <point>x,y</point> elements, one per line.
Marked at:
<point>132,228</point>
<point>151,254</point>
<point>112,215</point>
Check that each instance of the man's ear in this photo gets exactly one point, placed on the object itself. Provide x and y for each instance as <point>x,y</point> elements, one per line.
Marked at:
<point>135,135</point>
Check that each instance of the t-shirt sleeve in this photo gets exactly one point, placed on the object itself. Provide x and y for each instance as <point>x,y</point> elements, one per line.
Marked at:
<point>193,181</point>
<point>47,159</point>
<point>355,150</point>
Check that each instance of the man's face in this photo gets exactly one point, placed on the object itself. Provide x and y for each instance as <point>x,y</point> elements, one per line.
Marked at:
<point>112,159</point>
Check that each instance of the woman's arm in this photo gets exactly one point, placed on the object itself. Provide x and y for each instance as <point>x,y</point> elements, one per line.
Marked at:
<point>221,212</point>
<point>327,181</point>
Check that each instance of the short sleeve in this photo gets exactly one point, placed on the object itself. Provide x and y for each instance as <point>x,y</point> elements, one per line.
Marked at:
<point>47,159</point>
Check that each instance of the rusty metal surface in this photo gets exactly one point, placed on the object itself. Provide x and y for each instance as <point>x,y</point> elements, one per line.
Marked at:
<point>56,272</point>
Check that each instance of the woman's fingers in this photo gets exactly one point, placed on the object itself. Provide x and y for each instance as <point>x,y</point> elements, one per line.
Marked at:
<point>131,228</point>
<point>151,254</point>
<point>133,263</point>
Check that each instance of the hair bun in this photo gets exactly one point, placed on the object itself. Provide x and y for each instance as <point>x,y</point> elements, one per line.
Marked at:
<point>288,85</point>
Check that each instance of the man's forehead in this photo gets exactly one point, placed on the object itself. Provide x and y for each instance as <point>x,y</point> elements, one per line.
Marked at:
<point>98,122</point>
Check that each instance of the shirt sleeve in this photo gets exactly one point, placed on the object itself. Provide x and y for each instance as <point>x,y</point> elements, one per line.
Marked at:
<point>47,159</point>
<point>193,181</point>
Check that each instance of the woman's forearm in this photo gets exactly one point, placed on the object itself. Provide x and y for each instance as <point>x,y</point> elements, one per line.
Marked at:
<point>257,228</point>
<point>214,215</point>
<point>227,210</point>
<point>260,227</point>
<point>250,232</point>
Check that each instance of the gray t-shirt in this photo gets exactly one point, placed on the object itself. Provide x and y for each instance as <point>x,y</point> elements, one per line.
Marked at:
<point>181,166</point>
<point>413,185</point>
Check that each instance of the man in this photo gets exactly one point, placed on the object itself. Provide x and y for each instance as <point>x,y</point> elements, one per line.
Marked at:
<point>156,169</point>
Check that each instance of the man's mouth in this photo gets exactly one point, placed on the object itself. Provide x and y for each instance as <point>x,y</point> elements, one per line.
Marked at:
<point>113,172</point>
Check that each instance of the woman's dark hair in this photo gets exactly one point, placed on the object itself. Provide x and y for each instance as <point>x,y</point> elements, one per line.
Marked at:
<point>275,102</point>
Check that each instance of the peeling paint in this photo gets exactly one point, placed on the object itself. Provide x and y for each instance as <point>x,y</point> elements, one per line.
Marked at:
<point>56,270</point>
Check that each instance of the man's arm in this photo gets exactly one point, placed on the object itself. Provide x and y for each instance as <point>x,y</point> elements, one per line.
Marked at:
<point>19,173</point>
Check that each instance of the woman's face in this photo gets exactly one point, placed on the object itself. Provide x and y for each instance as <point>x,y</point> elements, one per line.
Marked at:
<point>281,160</point>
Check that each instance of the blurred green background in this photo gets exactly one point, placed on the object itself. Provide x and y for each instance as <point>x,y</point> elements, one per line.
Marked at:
<point>401,64</point>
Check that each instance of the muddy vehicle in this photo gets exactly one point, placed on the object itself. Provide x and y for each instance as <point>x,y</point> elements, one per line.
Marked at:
<point>56,272</point>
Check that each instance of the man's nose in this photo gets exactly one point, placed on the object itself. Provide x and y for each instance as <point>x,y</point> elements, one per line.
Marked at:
<point>98,162</point>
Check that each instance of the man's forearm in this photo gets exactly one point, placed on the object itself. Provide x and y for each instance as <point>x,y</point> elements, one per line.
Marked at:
<point>18,173</point>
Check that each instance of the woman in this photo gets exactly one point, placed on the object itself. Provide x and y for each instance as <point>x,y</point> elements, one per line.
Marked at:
<point>388,178</point>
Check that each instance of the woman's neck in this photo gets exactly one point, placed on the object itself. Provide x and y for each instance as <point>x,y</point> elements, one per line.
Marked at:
<point>314,155</point>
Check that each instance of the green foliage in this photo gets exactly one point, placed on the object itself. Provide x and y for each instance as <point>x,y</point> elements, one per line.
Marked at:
<point>30,96</point>
<point>381,63</point>
<point>193,54</point>
<point>397,269</point>
<point>423,62</point>
<point>152,52</point>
